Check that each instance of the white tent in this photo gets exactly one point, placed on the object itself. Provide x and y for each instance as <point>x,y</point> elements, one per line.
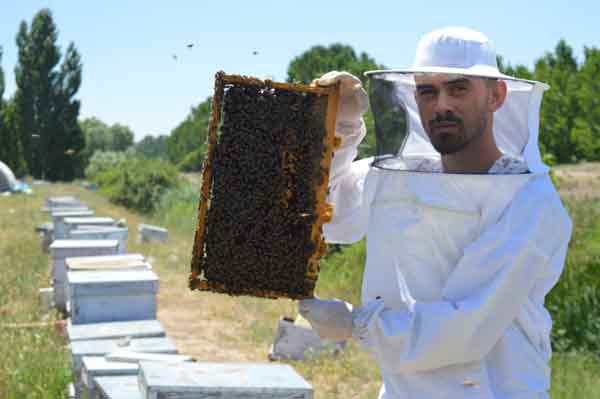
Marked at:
<point>7,178</point>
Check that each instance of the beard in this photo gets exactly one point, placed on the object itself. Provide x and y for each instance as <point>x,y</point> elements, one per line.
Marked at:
<point>452,142</point>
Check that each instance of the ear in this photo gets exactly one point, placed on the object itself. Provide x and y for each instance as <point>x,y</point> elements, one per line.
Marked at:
<point>497,95</point>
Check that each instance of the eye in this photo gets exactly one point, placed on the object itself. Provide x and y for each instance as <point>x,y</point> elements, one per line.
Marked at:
<point>458,89</point>
<point>426,92</point>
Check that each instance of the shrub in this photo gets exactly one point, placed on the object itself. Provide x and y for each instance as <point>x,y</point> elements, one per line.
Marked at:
<point>138,183</point>
<point>575,301</point>
<point>192,162</point>
<point>103,161</point>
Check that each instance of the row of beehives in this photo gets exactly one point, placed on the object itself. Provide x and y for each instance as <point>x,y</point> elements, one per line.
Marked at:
<point>118,348</point>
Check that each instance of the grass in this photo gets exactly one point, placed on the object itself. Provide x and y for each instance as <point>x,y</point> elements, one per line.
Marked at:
<point>34,359</point>
<point>217,327</point>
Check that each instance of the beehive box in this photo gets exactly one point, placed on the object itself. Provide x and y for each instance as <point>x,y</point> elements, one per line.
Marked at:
<point>94,367</point>
<point>62,249</point>
<point>60,229</point>
<point>264,188</point>
<point>115,330</point>
<point>104,296</point>
<point>221,380</point>
<point>102,347</point>
<point>62,201</point>
<point>105,233</point>
<point>72,223</point>
<point>121,387</point>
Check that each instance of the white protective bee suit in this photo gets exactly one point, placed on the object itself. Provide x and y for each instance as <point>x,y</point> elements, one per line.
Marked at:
<point>457,264</point>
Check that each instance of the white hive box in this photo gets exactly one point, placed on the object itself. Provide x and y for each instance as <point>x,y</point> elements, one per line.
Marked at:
<point>148,232</point>
<point>231,381</point>
<point>104,296</point>
<point>73,223</point>
<point>65,200</point>
<point>94,367</point>
<point>62,249</point>
<point>121,387</point>
<point>108,262</point>
<point>60,229</point>
<point>102,347</point>
<point>103,233</point>
<point>115,330</point>
<point>50,209</point>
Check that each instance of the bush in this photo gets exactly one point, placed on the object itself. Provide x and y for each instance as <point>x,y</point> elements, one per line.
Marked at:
<point>103,161</point>
<point>138,183</point>
<point>178,207</point>
<point>575,301</point>
<point>192,162</point>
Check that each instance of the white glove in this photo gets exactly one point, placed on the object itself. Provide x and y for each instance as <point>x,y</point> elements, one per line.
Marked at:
<point>353,101</point>
<point>331,319</point>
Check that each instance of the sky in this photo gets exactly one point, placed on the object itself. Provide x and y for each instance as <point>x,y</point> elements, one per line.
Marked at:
<point>138,70</point>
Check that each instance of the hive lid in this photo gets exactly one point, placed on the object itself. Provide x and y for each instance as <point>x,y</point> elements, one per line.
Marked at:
<point>117,329</point>
<point>223,378</point>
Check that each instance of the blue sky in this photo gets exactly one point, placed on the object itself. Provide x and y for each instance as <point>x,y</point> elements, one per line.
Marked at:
<point>127,47</point>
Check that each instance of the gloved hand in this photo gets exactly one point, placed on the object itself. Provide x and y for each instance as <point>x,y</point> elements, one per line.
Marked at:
<point>331,319</point>
<point>353,101</point>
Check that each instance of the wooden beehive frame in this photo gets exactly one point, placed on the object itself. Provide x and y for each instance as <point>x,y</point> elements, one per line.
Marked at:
<point>323,210</point>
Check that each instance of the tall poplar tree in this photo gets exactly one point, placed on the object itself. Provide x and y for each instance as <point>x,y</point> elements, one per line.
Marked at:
<point>46,110</point>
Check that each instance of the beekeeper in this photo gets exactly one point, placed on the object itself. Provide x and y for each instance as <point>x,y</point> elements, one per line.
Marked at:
<point>465,232</point>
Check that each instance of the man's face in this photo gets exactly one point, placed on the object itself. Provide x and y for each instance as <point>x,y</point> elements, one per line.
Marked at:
<point>454,109</point>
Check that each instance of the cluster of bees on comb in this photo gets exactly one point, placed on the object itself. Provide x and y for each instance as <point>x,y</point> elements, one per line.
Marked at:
<point>263,199</point>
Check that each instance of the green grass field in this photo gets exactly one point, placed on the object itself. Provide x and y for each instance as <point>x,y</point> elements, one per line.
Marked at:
<point>35,361</point>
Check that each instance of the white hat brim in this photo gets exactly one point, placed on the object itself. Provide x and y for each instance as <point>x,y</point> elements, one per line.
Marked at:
<point>480,71</point>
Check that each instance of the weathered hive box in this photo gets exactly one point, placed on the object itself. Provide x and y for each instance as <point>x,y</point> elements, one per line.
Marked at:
<point>62,249</point>
<point>115,330</point>
<point>103,233</point>
<point>73,223</point>
<point>60,229</point>
<point>66,200</point>
<point>108,262</point>
<point>104,296</point>
<point>231,381</point>
<point>148,232</point>
<point>102,347</point>
<point>93,367</point>
<point>121,387</point>
<point>127,364</point>
<point>50,209</point>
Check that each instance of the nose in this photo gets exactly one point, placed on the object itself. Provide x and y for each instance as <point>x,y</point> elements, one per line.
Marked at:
<point>443,104</point>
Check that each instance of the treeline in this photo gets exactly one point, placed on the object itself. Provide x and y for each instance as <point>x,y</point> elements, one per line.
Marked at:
<point>39,131</point>
<point>569,119</point>
<point>570,116</point>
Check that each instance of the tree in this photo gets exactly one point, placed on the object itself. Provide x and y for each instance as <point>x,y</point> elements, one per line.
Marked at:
<point>45,109</point>
<point>23,117</point>
<point>11,152</point>
<point>586,124</point>
<point>190,135</point>
<point>101,137</point>
<point>560,106</point>
<point>68,113</point>
<point>153,147</point>
<point>319,60</point>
